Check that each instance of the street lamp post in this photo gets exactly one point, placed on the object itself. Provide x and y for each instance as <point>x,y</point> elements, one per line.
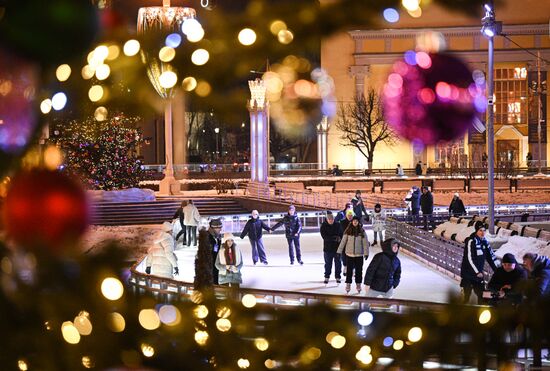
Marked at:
<point>490,28</point>
<point>258,106</point>
<point>217,131</point>
<point>539,90</point>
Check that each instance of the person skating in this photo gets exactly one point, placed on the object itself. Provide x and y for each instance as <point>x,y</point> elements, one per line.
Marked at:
<point>253,228</point>
<point>456,208</point>
<point>427,206</point>
<point>344,223</point>
<point>355,246</point>
<point>359,207</point>
<point>161,260</point>
<point>229,262</point>
<point>293,228</point>
<point>378,217</point>
<point>384,271</point>
<point>414,199</point>
<point>476,252</point>
<point>341,215</point>
<point>192,219</point>
<point>180,216</point>
<point>331,232</point>
<point>215,242</point>
<point>508,279</point>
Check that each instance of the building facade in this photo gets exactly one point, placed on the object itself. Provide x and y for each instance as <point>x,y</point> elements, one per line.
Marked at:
<point>361,59</point>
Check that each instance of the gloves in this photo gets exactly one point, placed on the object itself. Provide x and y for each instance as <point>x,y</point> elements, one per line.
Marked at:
<point>148,270</point>
<point>176,271</point>
<point>366,257</point>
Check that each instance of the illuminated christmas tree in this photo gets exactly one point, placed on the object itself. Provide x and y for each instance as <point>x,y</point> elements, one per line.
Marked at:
<point>104,154</point>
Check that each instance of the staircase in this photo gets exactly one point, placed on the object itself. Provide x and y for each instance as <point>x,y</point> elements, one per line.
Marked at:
<point>156,212</point>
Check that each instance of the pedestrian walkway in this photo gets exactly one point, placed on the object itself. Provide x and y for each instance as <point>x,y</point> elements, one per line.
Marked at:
<point>418,282</point>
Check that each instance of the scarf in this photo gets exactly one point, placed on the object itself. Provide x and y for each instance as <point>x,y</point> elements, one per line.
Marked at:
<point>230,255</point>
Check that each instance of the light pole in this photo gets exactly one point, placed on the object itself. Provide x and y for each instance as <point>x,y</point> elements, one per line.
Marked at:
<point>538,89</point>
<point>490,28</point>
<point>258,106</point>
<point>217,131</point>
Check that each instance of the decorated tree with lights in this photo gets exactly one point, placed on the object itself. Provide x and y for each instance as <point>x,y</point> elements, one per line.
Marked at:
<point>103,153</point>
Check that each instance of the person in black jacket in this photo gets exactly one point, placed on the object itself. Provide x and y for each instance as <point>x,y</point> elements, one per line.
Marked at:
<point>414,199</point>
<point>427,206</point>
<point>359,207</point>
<point>331,232</point>
<point>418,168</point>
<point>476,252</point>
<point>215,242</point>
<point>253,228</point>
<point>179,214</point>
<point>508,278</point>
<point>384,272</point>
<point>456,208</point>
<point>539,270</point>
<point>293,228</point>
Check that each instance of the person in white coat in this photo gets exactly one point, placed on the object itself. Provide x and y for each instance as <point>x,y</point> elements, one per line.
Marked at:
<point>378,217</point>
<point>161,260</point>
<point>191,219</point>
<point>229,262</point>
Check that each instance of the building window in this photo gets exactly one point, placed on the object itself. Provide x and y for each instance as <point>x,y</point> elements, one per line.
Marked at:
<point>450,154</point>
<point>511,96</point>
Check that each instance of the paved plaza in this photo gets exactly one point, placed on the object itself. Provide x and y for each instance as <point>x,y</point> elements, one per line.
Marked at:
<point>418,282</point>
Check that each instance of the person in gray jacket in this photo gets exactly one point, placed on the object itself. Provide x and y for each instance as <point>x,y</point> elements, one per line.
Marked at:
<point>355,246</point>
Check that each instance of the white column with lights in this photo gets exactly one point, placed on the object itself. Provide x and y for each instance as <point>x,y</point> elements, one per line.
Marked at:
<point>322,133</point>
<point>259,132</point>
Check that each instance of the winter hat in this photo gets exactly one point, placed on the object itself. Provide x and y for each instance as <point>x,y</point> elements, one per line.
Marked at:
<point>329,215</point>
<point>228,236</point>
<point>356,218</point>
<point>215,223</point>
<point>167,227</point>
<point>479,224</point>
<point>509,258</point>
<point>377,206</point>
<point>350,212</point>
<point>457,195</point>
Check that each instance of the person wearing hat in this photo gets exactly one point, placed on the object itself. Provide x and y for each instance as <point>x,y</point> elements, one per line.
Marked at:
<point>456,208</point>
<point>161,260</point>
<point>359,206</point>
<point>331,232</point>
<point>539,273</point>
<point>293,228</point>
<point>378,217</point>
<point>254,228</point>
<point>507,279</point>
<point>229,262</point>
<point>341,215</point>
<point>476,252</point>
<point>414,200</point>
<point>383,274</point>
<point>215,242</point>
<point>355,246</point>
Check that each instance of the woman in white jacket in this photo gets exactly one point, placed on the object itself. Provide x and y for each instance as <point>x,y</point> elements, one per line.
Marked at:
<point>161,260</point>
<point>356,247</point>
<point>378,217</point>
<point>191,220</point>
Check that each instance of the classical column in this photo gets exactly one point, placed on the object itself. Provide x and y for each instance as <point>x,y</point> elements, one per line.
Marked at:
<point>322,131</point>
<point>259,132</point>
<point>359,73</point>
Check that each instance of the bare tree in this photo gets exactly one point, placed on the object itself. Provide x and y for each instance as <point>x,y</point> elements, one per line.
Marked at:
<point>363,126</point>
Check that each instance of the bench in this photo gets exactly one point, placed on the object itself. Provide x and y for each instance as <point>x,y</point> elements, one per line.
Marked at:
<point>320,189</point>
<point>533,184</point>
<point>452,185</point>
<point>367,186</point>
<point>399,185</point>
<point>483,185</point>
<point>296,186</point>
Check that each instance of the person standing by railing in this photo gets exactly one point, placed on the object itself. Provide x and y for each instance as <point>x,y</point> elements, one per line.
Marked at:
<point>293,228</point>
<point>427,206</point>
<point>253,228</point>
<point>331,232</point>
<point>355,246</point>
<point>456,208</point>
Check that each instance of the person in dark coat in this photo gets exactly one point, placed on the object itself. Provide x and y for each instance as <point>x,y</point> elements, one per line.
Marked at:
<point>215,242</point>
<point>418,168</point>
<point>415,202</point>
<point>293,228</point>
<point>341,215</point>
<point>180,215</point>
<point>476,252</point>
<point>384,272</point>
<point>359,207</point>
<point>539,271</point>
<point>427,206</point>
<point>508,278</point>
<point>253,228</point>
<point>456,208</point>
<point>331,232</point>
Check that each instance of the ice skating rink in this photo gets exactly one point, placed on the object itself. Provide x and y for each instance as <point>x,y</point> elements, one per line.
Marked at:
<point>418,282</point>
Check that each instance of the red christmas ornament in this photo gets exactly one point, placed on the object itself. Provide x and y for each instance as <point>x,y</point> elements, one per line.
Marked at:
<point>432,97</point>
<point>45,209</point>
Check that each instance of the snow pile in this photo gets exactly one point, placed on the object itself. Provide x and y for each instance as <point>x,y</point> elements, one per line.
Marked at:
<point>123,195</point>
<point>520,246</point>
